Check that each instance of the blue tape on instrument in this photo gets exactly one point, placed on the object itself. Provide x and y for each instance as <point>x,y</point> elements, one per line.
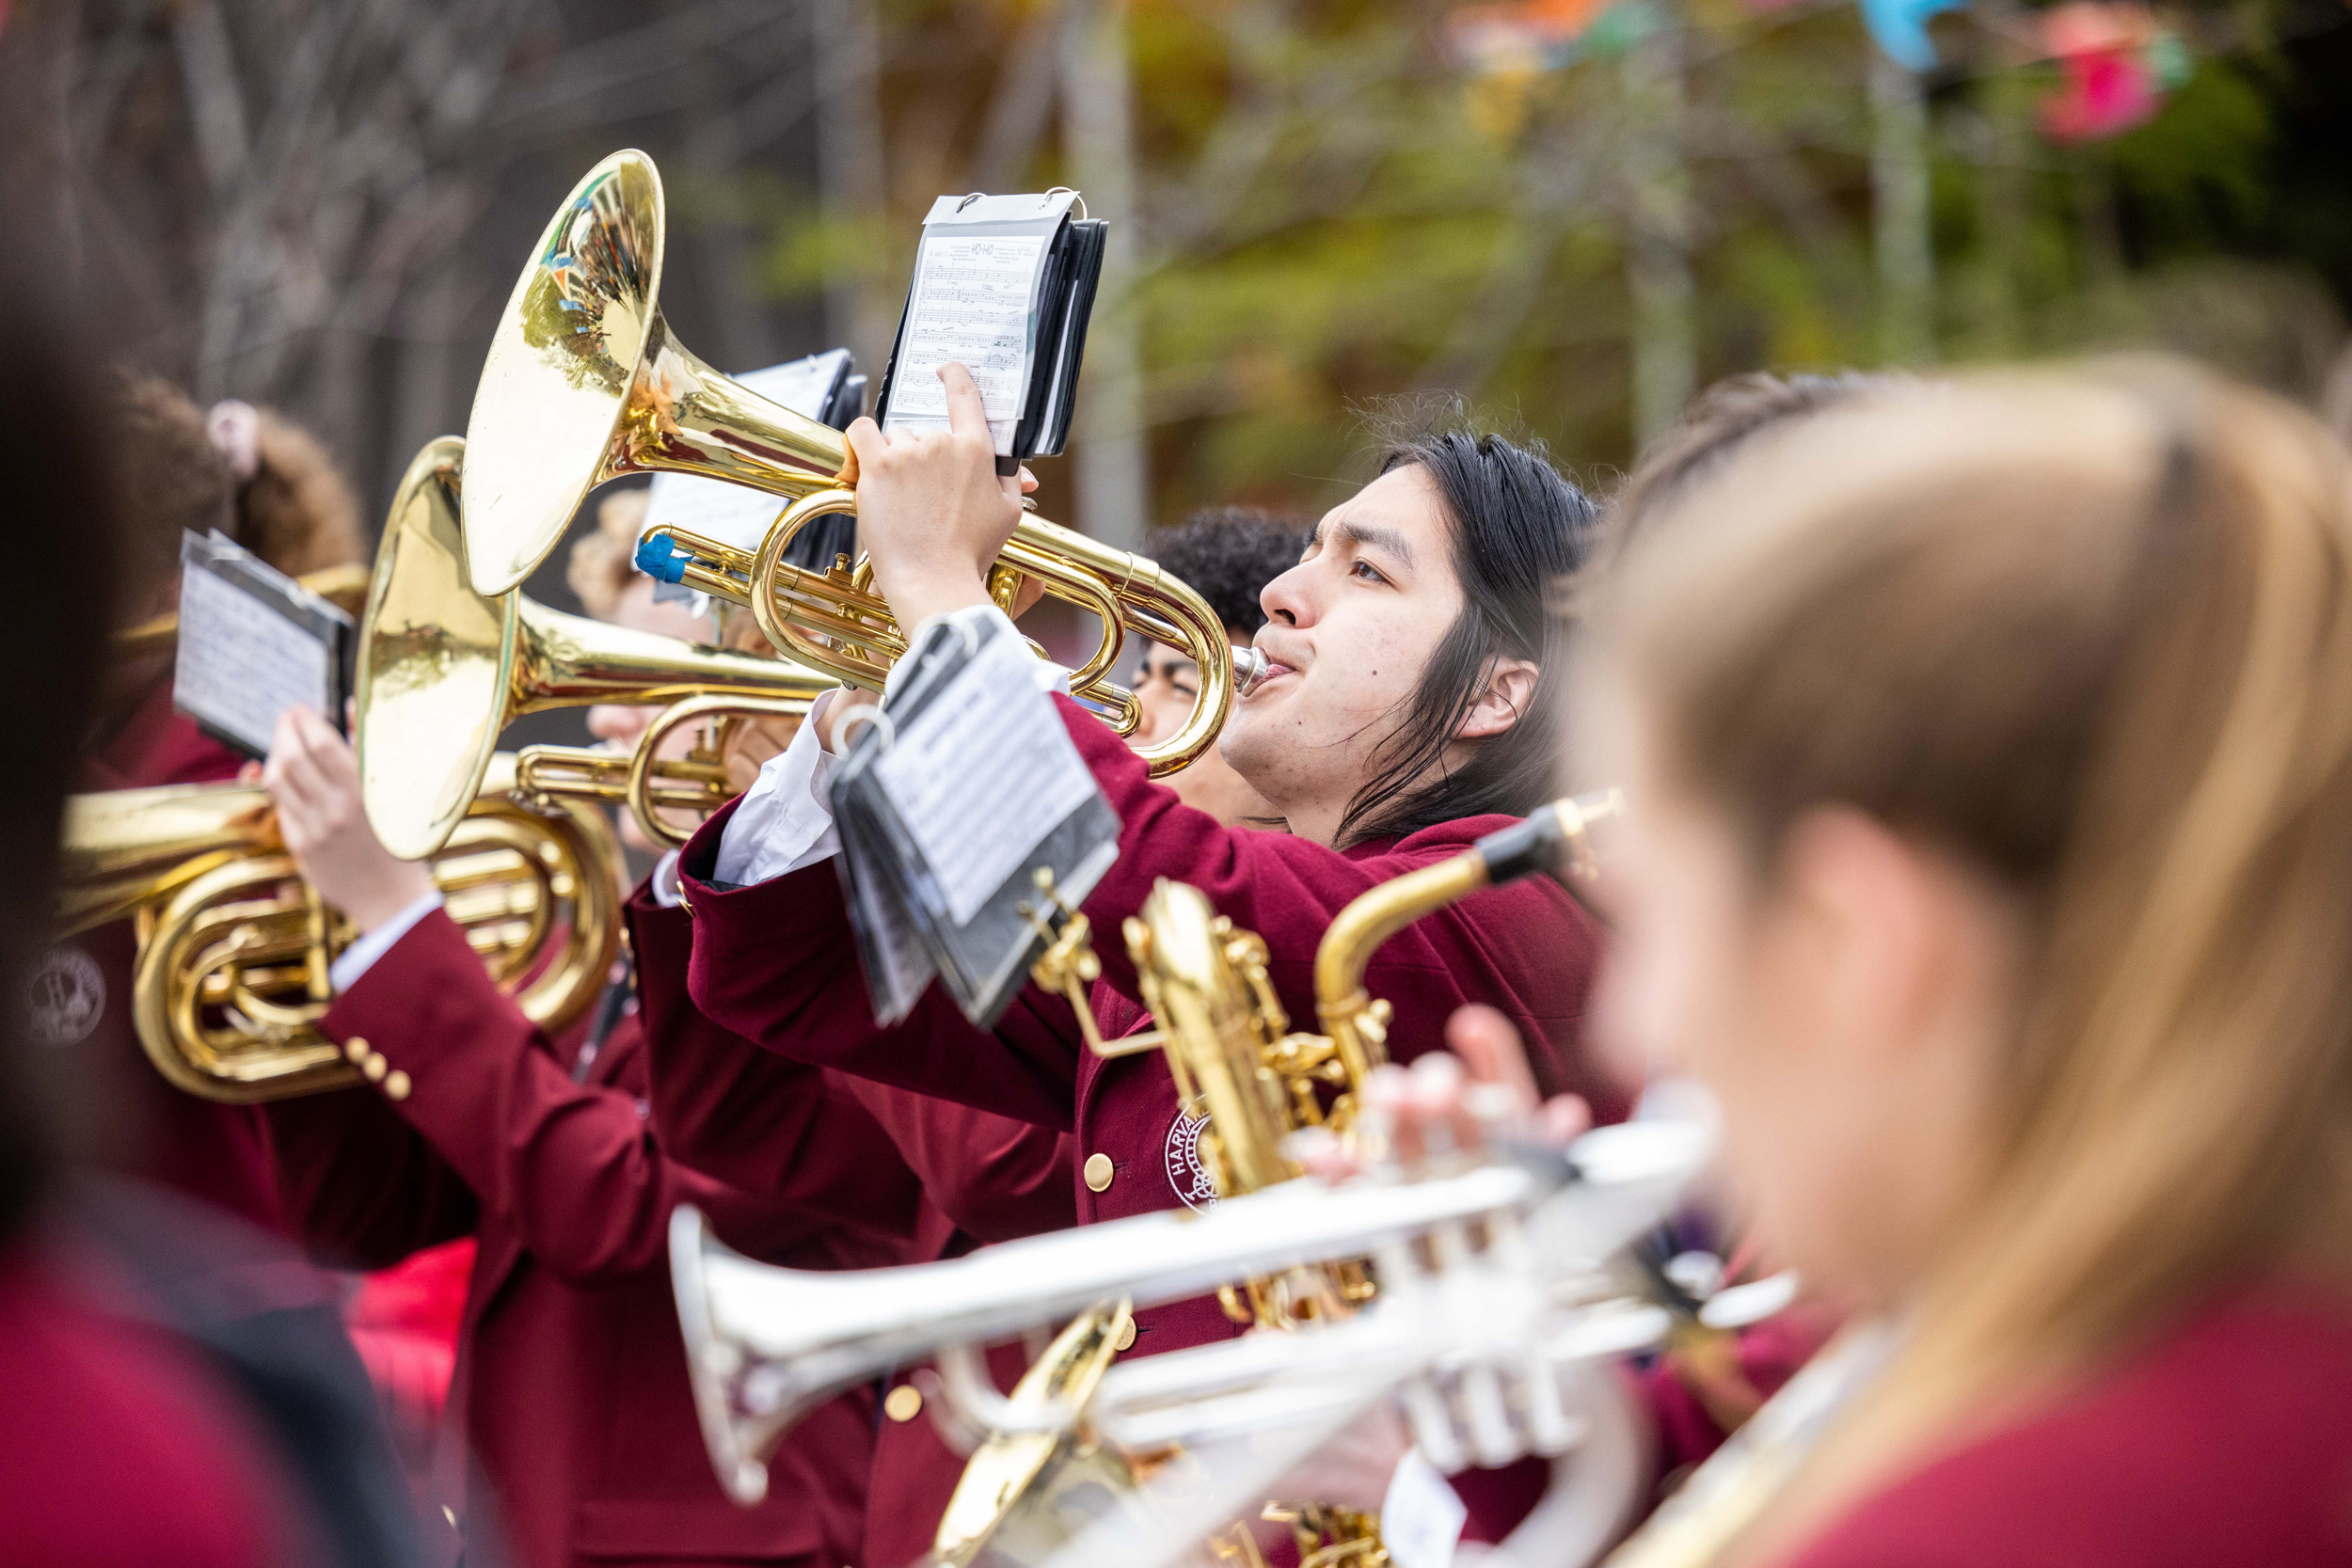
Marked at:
<point>662,559</point>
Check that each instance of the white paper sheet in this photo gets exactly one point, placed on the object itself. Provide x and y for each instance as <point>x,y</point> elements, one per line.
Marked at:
<point>735,514</point>
<point>983,774</point>
<point>971,305</point>
<point>241,663</point>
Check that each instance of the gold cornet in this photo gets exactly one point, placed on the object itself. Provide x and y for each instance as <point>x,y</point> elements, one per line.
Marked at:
<point>443,669</point>
<point>234,947</point>
<point>584,383</point>
<point>650,785</point>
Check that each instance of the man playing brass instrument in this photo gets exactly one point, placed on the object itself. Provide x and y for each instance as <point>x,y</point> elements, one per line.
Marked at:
<point>1407,711</point>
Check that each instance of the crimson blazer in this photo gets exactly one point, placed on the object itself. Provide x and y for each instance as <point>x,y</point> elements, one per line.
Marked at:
<point>776,963</point>
<point>2226,1440</point>
<point>718,1103</point>
<point>571,1378</point>
<point>121,1444</point>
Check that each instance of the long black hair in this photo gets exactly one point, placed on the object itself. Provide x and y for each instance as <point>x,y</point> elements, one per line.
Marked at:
<point>1518,525</point>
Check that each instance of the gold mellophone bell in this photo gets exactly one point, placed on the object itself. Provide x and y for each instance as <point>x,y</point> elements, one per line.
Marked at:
<point>443,669</point>
<point>584,383</point>
<point>231,977</point>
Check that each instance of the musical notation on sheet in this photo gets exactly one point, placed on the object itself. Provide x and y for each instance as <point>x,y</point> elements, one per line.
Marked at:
<point>972,306</point>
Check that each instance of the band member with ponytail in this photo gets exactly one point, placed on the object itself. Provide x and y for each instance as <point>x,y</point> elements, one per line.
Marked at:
<point>1408,711</point>
<point>1990,860</point>
<point>1705,1384</point>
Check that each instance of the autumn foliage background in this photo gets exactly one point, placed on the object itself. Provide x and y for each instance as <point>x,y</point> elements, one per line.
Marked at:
<point>1570,213</point>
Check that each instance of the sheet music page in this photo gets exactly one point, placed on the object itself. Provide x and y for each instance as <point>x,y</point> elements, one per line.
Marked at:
<point>971,304</point>
<point>735,514</point>
<point>890,944</point>
<point>983,774</point>
<point>242,663</point>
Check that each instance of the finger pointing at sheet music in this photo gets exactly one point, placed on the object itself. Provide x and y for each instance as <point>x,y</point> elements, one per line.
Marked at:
<point>932,510</point>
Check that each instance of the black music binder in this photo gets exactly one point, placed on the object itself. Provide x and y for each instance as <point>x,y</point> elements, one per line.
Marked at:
<point>253,642</point>
<point>1005,285</point>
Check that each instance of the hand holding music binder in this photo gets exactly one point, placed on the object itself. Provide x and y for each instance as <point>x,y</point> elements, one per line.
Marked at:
<point>1005,286</point>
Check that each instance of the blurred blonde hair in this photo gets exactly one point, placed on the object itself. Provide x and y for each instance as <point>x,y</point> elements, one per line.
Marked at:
<point>297,511</point>
<point>2092,633</point>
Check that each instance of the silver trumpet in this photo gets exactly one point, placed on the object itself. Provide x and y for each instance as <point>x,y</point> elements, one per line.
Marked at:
<point>1492,1294</point>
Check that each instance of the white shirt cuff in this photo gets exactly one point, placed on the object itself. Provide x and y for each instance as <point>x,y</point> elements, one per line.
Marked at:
<point>664,883</point>
<point>361,956</point>
<point>785,820</point>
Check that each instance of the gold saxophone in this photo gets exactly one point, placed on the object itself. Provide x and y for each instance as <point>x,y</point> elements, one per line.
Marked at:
<point>1239,1065</point>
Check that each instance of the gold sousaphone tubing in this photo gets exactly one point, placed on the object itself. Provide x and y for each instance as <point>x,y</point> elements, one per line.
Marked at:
<point>443,669</point>
<point>585,382</point>
<point>231,978</point>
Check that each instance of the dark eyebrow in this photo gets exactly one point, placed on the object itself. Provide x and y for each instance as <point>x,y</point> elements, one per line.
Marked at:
<point>1380,539</point>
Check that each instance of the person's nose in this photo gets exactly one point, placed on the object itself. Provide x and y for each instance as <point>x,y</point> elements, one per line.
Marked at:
<point>1147,710</point>
<point>1290,599</point>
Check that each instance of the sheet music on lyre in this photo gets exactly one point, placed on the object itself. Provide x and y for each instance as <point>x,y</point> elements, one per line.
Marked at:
<point>949,806</point>
<point>970,306</point>
<point>1003,285</point>
<point>253,642</point>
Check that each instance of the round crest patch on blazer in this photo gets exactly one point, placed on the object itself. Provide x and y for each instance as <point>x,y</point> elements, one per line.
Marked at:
<point>65,996</point>
<point>1187,1172</point>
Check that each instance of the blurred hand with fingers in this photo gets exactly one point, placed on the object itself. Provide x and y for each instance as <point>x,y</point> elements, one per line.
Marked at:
<point>932,510</point>
<point>314,776</point>
<point>1453,1102</point>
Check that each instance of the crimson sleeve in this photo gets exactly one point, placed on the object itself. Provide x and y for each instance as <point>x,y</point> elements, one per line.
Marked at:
<point>573,1168</point>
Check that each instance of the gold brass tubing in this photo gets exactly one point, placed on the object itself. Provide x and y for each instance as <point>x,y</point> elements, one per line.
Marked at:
<point>1356,1025</point>
<point>641,779</point>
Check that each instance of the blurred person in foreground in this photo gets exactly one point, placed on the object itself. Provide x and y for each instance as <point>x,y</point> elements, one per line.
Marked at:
<point>1706,1386</point>
<point>1991,862</point>
<point>171,1394</point>
<point>2335,405</point>
<point>1226,554</point>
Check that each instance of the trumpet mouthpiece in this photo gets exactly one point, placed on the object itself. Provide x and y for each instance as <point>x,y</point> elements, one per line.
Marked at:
<point>1249,666</point>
